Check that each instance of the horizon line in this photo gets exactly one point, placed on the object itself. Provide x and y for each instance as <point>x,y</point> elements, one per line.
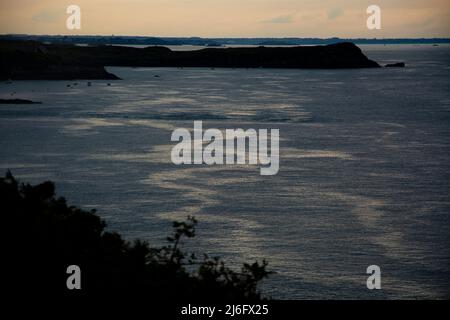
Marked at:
<point>231,37</point>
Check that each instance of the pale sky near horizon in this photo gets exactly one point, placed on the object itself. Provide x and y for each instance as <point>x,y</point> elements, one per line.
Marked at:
<point>229,18</point>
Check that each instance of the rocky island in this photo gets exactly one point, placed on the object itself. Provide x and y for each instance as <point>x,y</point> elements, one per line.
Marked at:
<point>33,60</point>
<point>18,101</point>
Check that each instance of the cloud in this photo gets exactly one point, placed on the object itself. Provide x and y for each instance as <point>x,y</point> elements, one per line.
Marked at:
<point>335,13</point>
<point>48,16</point>
<point>425,22</point>
<point>281,19</point>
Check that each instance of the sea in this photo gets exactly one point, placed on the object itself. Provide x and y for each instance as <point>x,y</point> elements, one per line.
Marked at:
<point>364,175</point>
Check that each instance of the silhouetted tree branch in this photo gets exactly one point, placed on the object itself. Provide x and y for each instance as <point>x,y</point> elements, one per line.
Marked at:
<point>49,236</point>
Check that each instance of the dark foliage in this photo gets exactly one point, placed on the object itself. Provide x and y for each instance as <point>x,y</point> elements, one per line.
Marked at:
<point>48,235</point>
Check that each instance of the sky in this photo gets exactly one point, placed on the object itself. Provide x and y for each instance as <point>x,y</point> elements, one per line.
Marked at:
<point>229,18</point>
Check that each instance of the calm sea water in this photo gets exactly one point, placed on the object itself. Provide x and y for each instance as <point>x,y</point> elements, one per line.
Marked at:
<point>364,174</point>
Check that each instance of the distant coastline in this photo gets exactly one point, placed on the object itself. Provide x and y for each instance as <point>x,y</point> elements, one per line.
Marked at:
<point>212,42</point>
<point>33,60</point>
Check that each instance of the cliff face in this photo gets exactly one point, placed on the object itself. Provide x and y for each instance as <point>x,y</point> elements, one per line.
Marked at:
<point>35,60</point>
